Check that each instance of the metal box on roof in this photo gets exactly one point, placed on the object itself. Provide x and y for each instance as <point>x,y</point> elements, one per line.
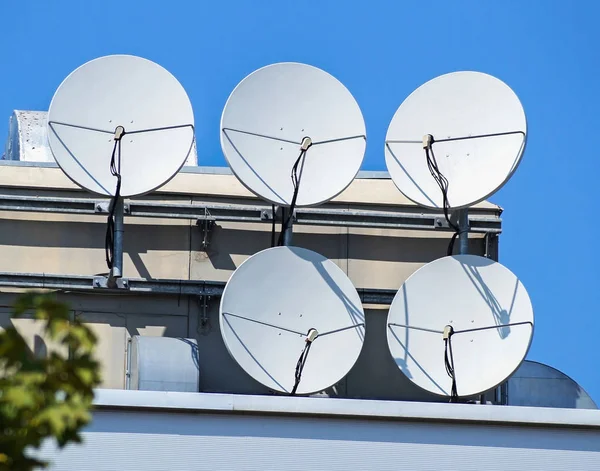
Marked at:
<point>163,364</point>
<point>537,385</point>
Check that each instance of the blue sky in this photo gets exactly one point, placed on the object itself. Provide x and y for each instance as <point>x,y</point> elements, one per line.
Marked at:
<point>548,51</point>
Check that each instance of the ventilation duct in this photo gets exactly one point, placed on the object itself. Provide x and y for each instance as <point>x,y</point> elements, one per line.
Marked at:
<point>163,364</point>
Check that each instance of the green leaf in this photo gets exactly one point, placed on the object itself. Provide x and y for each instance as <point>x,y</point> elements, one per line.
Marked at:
<point>42,398</point>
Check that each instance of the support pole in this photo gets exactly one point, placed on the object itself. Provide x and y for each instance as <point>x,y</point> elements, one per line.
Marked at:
<point>289,231</point>
<point>463,224</point>
<point>117,269</point>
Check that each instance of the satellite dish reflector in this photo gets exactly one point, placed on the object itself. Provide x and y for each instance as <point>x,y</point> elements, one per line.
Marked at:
<point>120,93</point>
<point>266,121</point>
<point>282,302</point>
<point>478,132</point>
<point>480,305</point>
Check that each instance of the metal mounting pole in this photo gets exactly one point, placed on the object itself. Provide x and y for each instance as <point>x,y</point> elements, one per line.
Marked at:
<point>463,248</point>
<point>463,224</point>
<point>288,213</point>
<point>289,231</point>
<point>117,269</point>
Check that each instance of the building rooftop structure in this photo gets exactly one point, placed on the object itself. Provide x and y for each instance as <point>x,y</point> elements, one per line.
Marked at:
<point>182,243</point>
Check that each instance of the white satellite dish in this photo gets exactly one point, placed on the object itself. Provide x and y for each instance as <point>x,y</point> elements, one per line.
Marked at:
<point>120,91</point>
<point>266,120</point>
<point>479,133</point>
<point>277,300</point>
<point>489,311</point>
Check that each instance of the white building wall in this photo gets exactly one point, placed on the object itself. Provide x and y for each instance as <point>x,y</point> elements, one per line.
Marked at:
<point>149,431</point>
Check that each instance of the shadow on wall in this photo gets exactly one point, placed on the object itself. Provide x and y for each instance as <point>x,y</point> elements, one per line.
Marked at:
<point>225,241</point>
<point>142,238</point>
<point>139,238</point>
<point>39,347</point>
<point>139,324</point>
<point>219,371</point>
<point>375,374</point>
<point>75,235</point>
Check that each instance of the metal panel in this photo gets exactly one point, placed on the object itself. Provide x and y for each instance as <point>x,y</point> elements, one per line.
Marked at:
<point>538,385</point>
<point>27,137</point>
<point>89,284</point>
<point>329,216</point>
<point>233,438</point>
<point>364,409</point>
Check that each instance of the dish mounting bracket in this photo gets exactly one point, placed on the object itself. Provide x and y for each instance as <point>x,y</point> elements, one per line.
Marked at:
<point>462,219</point>
<point>106,282</point>
<point>206,223</point>
<point>203,318</point>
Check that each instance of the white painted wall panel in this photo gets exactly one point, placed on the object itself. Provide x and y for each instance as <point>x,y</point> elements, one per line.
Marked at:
<point>152,440</point>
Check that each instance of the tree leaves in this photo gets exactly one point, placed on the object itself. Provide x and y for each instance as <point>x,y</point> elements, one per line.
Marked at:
<point>43,398</point>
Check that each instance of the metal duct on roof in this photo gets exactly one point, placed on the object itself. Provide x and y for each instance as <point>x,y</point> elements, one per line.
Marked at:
<point>537,385</point>
<point>163,364</point>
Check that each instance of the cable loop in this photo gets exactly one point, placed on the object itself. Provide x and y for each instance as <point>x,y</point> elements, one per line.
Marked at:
<point>443,183</point>
<point>296,183</point>
<point>115,170</point>
<point>449,361</point>
<point>311,337</point>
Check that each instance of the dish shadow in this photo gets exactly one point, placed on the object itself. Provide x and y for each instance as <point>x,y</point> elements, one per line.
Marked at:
<point>425,195</point>
<point>356,315</point>
<point>76,160</point>
<point>402,363</point>
<point>256,174</point>
<point>500,315</point>
<point>225,318</point>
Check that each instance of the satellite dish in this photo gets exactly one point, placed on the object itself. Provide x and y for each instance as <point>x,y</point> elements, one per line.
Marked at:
<point>265,125</point>
<point>275,303</point>
<point>142,98</point>
<point>491,320</point>
<point>478,131</point>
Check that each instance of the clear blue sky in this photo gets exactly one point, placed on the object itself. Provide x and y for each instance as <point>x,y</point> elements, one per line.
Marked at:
<point>548,51</point>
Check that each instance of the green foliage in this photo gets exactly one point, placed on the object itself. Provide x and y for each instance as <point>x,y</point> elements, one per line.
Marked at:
<point>48,397</point>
